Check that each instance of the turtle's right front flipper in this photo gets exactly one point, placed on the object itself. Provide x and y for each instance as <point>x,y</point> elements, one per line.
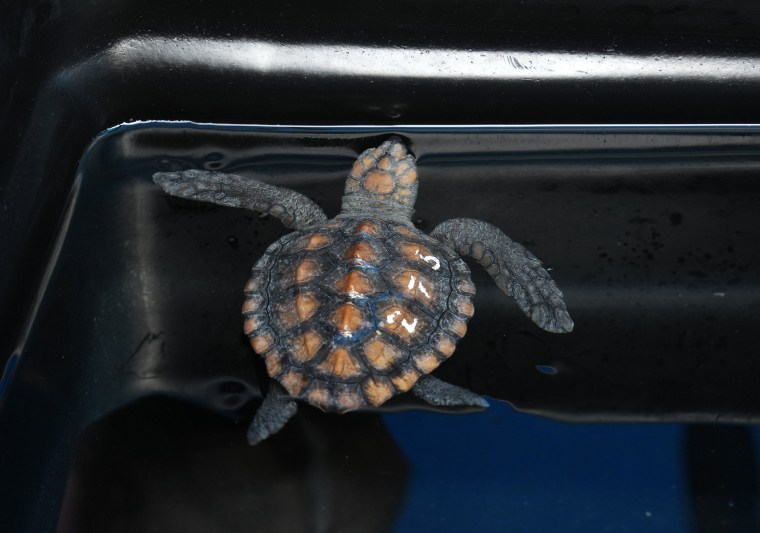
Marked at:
<point>515,270</point>
<point>295,210</point>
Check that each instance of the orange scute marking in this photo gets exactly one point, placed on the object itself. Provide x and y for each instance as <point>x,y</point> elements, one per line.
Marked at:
<point>360,251</point>
<point>403,230</point>
<point>348,318</point>
<point>379,182</point>
<point>306,270</point>
<point>384,163</point>
<point>305,306</point>
<point>340,363</point>
<point>250,305</point>
<point>405,379</point>
<point>261,343</point>
<point>426,362</point>
<point>465,308</point>
<point>380,355</point>
<point>305,347</point>
<point>402,167</point>
<point>294,382</point>
<point>458,327</point>
<point>445,346</point>
<point>408,179</point>
<point>354,282</point>
<point>273,361</point>
<point>414,252</point>
<point>316,241</point>
<point>319,396</point>
<point>370,228</point>
<point>378,390</point>
<point>348,400</point>
<point>357,169</point>
<point>412,284</point>
<point>400,321</point>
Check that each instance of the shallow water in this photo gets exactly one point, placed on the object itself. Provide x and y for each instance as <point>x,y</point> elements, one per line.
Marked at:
<point>163,466</point>
<point>651,233</point>
<point>505,471</point>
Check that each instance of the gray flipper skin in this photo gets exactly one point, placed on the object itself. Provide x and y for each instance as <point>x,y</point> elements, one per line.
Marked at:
<point>437,392</point>
<point>295,210</point>
<point>275,411</point>
<point>515,270</point>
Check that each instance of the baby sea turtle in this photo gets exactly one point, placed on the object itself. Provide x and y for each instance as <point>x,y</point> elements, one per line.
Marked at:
<point>351,311</point>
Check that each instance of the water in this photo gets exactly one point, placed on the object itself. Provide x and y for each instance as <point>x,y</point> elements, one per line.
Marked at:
<point>135,371</point>
<point>502,471</point>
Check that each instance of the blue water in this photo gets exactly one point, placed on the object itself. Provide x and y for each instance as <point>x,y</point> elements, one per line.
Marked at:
<point>506,471</point>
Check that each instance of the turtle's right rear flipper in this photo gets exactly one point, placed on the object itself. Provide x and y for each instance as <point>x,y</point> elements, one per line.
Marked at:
<point>295,210</point>
<point>437,392</point>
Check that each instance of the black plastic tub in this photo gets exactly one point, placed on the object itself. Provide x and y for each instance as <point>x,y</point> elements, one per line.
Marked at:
<point>619,142</point>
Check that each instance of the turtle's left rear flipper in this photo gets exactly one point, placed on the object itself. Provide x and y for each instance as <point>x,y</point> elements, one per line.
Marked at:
<point>275,411</point>
<point>295,210</point>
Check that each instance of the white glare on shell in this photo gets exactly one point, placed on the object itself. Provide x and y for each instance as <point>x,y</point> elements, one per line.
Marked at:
<point>420,286</point>
<point>431,260</point>
<point>408,326</point>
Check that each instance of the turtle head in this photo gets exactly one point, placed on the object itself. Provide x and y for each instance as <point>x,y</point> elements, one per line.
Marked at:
<point>382,183</point>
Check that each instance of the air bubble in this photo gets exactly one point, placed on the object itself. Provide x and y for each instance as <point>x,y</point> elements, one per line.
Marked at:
<point>214,161</point>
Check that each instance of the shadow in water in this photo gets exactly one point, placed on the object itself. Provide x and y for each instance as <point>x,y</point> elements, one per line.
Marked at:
<point>161,465</point>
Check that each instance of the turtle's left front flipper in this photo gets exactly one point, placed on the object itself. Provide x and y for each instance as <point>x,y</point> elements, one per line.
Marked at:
<point>515,270</point>
<point>295,210</point>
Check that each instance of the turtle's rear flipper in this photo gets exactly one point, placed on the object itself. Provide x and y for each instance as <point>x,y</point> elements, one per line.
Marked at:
<point>275,411</point>
<point>437,392</point>
<point>295,210</point>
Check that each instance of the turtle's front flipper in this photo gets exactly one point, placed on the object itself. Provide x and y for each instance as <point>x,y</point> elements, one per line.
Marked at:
<point>437,392</point>
<point>275,411</point>
<point>295,210</point>
<point>515,270</point>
